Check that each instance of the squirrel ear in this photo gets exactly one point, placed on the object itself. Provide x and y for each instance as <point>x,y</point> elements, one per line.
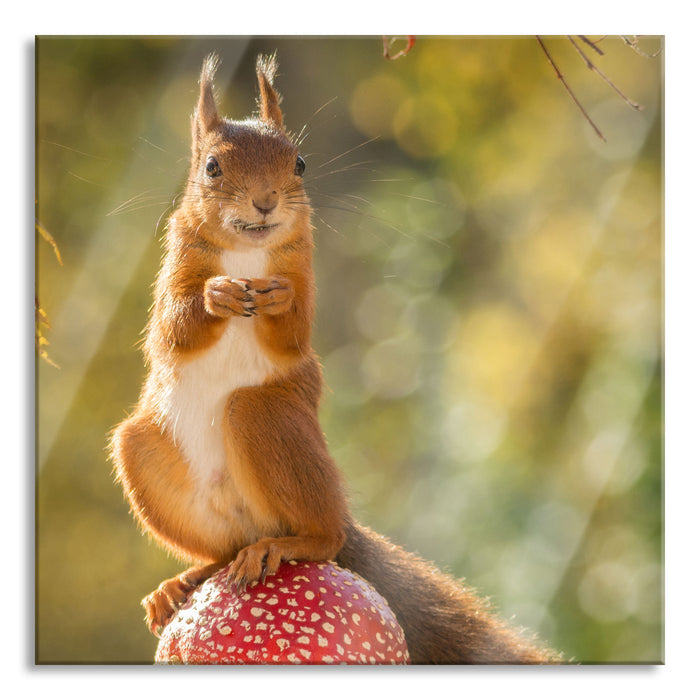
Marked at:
<point>269,98</point>
<point>206,115</point>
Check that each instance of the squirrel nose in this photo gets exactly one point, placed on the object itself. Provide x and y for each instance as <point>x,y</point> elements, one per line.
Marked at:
<point>265,203</point>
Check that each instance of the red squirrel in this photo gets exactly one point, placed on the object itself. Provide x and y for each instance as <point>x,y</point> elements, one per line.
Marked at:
<point>223,459</point>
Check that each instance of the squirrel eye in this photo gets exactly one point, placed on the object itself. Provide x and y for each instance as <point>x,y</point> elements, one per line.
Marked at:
<point>300,166</point>
<point>212,167</point>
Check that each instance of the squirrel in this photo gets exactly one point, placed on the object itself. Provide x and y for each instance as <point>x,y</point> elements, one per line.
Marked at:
<point>223,459</point>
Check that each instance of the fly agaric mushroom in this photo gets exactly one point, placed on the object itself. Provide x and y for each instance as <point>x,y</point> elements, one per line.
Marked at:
<point>306,613</point>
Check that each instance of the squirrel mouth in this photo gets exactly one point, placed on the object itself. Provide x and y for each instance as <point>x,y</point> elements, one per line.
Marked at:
<point>241,226</point>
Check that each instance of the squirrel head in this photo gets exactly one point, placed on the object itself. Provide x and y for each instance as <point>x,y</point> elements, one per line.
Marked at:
<point>245,185</point>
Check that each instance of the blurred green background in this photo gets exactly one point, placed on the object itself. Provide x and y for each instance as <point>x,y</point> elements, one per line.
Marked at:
<point>489,315</point>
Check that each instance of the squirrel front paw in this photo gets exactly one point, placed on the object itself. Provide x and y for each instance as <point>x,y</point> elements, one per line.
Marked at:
<point>224,297</point>
<point>270,295</point>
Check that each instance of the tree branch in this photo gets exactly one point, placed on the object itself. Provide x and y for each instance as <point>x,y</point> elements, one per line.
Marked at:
<point>568,89</point>
<point>595,69</point>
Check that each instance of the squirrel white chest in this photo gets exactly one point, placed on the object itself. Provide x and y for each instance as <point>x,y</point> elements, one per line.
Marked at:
<point>194,409</point>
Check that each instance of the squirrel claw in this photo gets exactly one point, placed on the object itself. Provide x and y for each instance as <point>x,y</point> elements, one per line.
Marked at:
<point>243,284</point>
<point>241,582</point>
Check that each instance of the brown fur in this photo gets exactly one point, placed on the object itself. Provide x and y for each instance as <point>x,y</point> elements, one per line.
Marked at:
<point>277,494</point>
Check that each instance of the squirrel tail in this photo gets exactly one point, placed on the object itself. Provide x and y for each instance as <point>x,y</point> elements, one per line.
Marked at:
<point>444,623</point>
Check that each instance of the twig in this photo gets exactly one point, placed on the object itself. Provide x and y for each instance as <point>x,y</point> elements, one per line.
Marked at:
<point>568,89</point>
<point>595,69</point>
<point>40,342</point>
<point>40,317</point>
<point>632,43</point>
<point>592,44</point>
<point>49,239</point>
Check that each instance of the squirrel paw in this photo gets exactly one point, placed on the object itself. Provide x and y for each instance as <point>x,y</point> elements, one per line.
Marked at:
<point>165,601</point>
<point>254,563</point>
<point>270,296</point>
<point>224,297</point>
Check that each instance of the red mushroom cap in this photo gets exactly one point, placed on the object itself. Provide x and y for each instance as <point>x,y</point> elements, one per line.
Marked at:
<point>306,613</point>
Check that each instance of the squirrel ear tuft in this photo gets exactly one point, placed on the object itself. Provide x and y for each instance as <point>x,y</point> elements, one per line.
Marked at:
<point>206,115</point>
<point>269,98</point>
